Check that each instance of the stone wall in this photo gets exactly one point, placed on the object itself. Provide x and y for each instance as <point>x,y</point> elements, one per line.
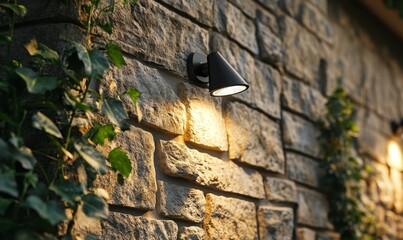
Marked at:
<point>243,167</point>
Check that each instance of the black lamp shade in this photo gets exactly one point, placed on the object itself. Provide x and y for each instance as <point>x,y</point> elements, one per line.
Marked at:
<point>223,79</point>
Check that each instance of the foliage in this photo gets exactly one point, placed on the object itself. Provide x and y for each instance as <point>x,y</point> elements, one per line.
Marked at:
<point>343,172</point>
<point>48,157</point>
<point>395,4</point>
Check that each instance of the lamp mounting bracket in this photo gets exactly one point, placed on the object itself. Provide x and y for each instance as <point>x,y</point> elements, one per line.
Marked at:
<point>197,69</point>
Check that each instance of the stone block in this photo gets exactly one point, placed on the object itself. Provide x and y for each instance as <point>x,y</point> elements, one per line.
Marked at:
<point>270,46</point>
<point>191,233</point>
<point>321,4</point>
<point>127,227</point>
<point>85,226</point>
<point>270,4</point>
<point>312,208</point>
<point>240,28</point>
<point>203,110</point>
<point>180,202</point>
<point>396,178</point>
<point>248,7</point>
<point>268,19</point>
<point>264,82</point>
<point>306,234</point>
<point>391,225</point>
<point>316,22</point>
<point>384,184</point>
<point>327,235</point>
<point>139,31</point>
<point>158,105</point>
<point>303,99</point>
<point>254,138</point>
<point>139,189</point>
<point>201,10</point>
<point>275,223</point>
<point>229,218</point>
<point>374,144</point>
<point>300,135</point>
<point>302,169</point>
<point>176,160</point>
<point>305,54</point>
<point>291,7</point>
<point>280,190</point>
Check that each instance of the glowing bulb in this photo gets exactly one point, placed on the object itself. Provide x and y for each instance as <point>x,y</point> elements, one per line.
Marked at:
<point>228,91</point>
<point>394,155</point>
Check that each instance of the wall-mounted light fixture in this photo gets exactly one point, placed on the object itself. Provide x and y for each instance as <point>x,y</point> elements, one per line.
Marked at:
<point>397,128</point>
<point>215,73</point>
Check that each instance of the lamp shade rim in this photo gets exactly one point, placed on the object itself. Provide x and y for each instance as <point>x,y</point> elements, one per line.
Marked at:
<point>229,90</point>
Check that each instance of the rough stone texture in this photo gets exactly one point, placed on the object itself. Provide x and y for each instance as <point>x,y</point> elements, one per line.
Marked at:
<point>280,190</point>
<point>167,44</point>
<point>85,226</point>
<point>254,138</point>
<point>268,19</point>
<point>327,235</point>
<point>181,202</point>
<point>121,226</point>
<point>175,159</point>
<point>303,99</point>
<point>312,208</point>
<point>201,10</point>
<point>304,53</point>
<point>231,20</point>
<point>158,105</point>
<point>229,218</point>
<point>191,233</point>
<point>314,20</point>
<point>203,110</point>
<point>299,134</point>
<point>321,4</point>
<point>258,75</point>
<point>374,144</point>
<point>291,7</point>
<point>306,234</point>
<point>391,225</point>
<point>139,189</point>
<point>275,223</point>
<point>270,46</point>
<point>384,185</point>
<point>270,4</point>
<point>396,178</point>
<point>302,169</point>
<point>248,7</point>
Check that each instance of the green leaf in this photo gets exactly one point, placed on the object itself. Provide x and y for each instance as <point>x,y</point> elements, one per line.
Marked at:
<point>50,210</point>
<point>92,156</point>
<point>76,103</point>
<point>99,133</point>
<point>95,206</point>
<point>38,49</point>
<point>35,82</point>
<point>106,27</point>
<point>41,122</point>
<point>4,203</point>
<point>8,184</point>
<point>25,157</point>
<point>120,161</point>
<point>20,10</point>
<point>99,63</point>
<point>115,54</point>
<point>116,113</point>
<point>134,94</point>
<point>67,190</point>
<point>84,57</point>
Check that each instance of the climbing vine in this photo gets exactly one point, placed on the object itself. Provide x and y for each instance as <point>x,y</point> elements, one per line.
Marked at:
<point>343,173</point>
<point>52,123</point>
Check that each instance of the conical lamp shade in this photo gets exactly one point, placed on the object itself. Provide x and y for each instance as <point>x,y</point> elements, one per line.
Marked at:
<point>224,80</point>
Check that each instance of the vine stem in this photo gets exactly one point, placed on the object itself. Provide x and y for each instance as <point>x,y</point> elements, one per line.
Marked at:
<point>10,34</point>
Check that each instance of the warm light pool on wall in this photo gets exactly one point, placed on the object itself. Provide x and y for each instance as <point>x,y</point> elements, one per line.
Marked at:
<point>215,73</point>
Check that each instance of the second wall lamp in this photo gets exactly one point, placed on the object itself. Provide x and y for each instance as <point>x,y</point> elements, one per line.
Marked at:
<point>215,73</point>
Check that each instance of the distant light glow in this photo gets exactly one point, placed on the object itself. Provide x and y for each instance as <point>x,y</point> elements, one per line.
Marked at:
<point>228,91</point>
<point>395,157</point>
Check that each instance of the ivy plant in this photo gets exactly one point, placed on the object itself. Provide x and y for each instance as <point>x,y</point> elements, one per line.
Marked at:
<point>343,172</point>
<point>52,124</point>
